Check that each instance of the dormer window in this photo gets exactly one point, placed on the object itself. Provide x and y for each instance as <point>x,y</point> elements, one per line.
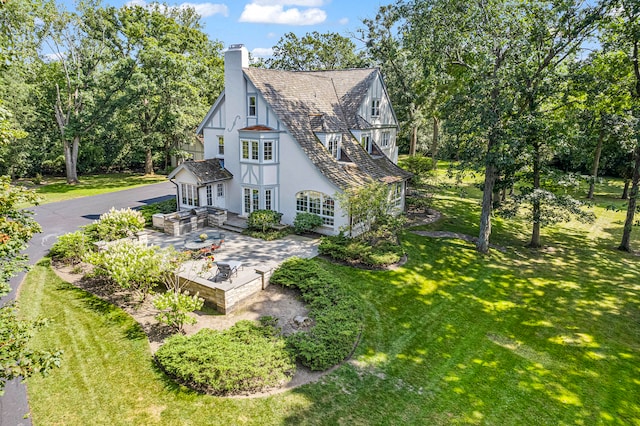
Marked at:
<point>365,142</point>
<point>252,106</point>
<point>333,145</point>
<point>375,108</point>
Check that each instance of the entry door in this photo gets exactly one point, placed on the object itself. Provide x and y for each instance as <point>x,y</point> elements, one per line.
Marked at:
<point>219,195</point>
<point>251,200</point>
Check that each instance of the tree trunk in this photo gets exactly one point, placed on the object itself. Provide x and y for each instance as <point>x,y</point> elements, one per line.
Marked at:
<point>625,190</point>
<point>625,244</point>
<point>148,162</point>
<point>596,161</point>
<point>414,140</point>
<point>434,141</point>
<point>536,211</point>
<point>71,159</point>
<point>490,175</point>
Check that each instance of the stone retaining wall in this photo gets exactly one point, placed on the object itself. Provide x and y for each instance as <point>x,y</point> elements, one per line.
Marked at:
<point>231,295</point>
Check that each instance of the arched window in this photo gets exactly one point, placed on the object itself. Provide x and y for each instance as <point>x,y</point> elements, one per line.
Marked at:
<point>316,203</point>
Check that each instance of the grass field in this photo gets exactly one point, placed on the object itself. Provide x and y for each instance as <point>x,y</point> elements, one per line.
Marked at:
<point>56,188</point>
<point>519,337</point>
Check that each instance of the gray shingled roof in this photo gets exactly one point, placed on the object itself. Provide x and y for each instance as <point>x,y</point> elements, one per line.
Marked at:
<point>205,171</point>
<point>326,101</point>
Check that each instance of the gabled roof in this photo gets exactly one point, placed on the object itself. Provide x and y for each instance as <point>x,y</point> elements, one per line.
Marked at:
<point>327,101</point>
<point>205,171</point>
<point>209,113</point>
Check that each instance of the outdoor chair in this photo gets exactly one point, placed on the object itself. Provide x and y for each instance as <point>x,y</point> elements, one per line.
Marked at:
<point>226,270</point>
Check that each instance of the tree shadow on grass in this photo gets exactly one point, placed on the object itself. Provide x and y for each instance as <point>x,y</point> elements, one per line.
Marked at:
<point>523,337</point>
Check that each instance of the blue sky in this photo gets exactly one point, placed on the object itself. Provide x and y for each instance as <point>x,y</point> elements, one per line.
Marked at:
<point>259,24</point>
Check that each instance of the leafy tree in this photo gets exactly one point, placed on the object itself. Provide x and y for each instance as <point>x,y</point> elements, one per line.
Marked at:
<point>622,33</point>
<point>314,51</point>
<point>17,226</point>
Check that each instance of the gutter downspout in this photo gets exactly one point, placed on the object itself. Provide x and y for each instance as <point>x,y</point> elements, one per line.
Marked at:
<point>177,194</point>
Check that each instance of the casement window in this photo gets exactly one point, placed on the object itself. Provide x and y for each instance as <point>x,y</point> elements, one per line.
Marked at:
<point>259,151</point>
<point>209,195</point>
<point>395,196</point>
<point>220,145</point>
<point>255,150</point>
<point>375,108</point>
<point>252,106</point>
<point>333,145</point>
<point>386,139</point>
<point>267,151</point>
<point>189,194</point>
<point>220,190</point>
<point>316,203</point>
<point>268,204</point>
<point>365,141</point>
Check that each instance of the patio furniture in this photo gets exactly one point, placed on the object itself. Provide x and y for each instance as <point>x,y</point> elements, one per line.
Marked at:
<point>206,247</point>
<point>227,269</point>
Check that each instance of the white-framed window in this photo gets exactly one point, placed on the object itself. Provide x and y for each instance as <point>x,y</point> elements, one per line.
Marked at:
<point>189,194</point>
<point>209,195</point>
<point>268,200</point>
<point>333,145</point>
<point>386,139</point>
<point>220,145</point>
<point>258,151</point>
<point>395,196</point>
<point>365,141</point>
<point>220,190</point>
<point>252,105</point>
<point>317,203</point>
<point>375,108</point>
<point>267,151</point>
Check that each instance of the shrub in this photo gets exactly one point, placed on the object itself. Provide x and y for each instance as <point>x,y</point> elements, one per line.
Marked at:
<point>175,307</point>
<point>261,220</point>
<point>336,311</point>
<point>131,265</point>
<point>71,248</point>
<point>357,251</point>
<point>244,358</point>
<point>306,222</point>
<point>164,207</point>
<point>116,224</point>
<point>269,234</point>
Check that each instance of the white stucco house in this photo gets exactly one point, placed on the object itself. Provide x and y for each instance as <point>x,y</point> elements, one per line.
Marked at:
<point>290,141</point>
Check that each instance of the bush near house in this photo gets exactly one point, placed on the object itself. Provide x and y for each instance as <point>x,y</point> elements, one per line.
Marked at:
<point>306,222</point>
<point>116,224</point>
<point>247,357</point>
<point>261,220</point>
<point>71,248</point>
<point>336,311</point>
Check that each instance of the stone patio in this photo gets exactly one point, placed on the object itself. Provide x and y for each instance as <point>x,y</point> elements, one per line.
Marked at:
<point>259,259</point>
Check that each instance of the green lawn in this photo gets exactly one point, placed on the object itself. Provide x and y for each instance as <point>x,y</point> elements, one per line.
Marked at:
<point>453,337</point>
<point>57,189</point>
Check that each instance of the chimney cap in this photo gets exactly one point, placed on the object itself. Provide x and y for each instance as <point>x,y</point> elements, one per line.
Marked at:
<point>236,46</point>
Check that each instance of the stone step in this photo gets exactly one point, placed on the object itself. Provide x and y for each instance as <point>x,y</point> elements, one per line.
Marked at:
<point>233,227</point>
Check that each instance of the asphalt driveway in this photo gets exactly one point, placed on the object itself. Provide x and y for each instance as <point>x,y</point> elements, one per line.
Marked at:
<point>57,219</point>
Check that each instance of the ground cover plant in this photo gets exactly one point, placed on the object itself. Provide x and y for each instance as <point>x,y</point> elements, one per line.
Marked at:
<point>164,207</point>
<point>336,312</point>
<point>247,357</point>
<point>519,336</point>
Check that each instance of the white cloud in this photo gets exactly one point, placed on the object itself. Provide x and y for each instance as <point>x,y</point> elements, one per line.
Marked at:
<point>343,21</point>
<point>262,52</point>
<point>53,57</point>
<point>207,9</point>
<point>276,14</point>
<point>203,9</point>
